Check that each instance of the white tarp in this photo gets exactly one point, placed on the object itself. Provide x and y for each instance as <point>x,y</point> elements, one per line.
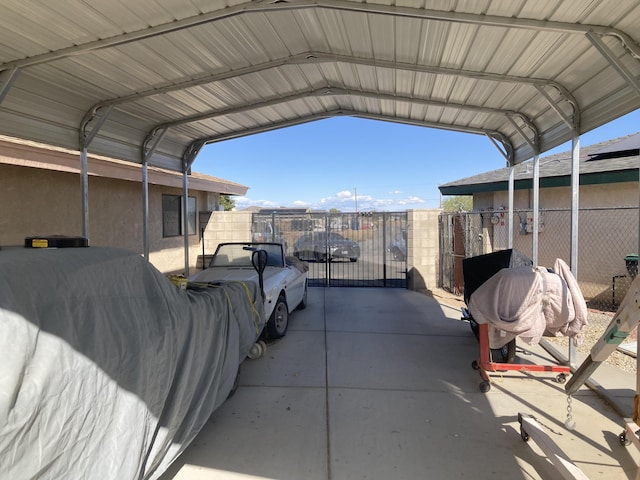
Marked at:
<point>107,369</point>
<point>530,302</point>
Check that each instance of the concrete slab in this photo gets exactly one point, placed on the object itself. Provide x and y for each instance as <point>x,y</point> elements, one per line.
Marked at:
<point>297,360</point>
<point>263,432</point>
<point>377,384</point>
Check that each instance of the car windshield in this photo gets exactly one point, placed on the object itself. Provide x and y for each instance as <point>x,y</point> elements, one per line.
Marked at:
<point>239,254</point>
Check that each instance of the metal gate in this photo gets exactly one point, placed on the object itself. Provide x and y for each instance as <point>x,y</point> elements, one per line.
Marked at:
<point>342,249</point>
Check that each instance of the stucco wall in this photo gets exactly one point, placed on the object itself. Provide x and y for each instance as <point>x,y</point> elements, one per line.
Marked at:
<point>44,202</point>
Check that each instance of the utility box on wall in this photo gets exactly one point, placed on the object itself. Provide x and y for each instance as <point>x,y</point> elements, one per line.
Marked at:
<point>528,226</point>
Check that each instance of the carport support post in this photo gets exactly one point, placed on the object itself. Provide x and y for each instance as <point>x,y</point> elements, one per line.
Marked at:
<point>536,207</point>
<point>145,208</point>
<point>84,189</point>
<point>185,218</point>
<point>511,188</point>
<point>575,205</point>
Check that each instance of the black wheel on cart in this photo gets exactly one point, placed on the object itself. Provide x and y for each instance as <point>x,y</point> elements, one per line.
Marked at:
<point>524,435</point>
<point>623,439</point>
<point>505,354</point>
<point>485,386</point>
<point>561,378</point>
<point>475,365</point>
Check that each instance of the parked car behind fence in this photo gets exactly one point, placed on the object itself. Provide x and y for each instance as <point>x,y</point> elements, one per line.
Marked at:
<point>322,247</point>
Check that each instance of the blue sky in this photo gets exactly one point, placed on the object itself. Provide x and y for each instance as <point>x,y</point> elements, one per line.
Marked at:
<point>346,162</point>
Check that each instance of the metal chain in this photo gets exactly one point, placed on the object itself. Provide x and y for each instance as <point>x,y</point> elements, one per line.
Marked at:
<point>569,422</point>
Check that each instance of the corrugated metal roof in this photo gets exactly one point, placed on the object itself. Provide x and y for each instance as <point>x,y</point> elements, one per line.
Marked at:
<point>555,170</point>
<point>168,76</point>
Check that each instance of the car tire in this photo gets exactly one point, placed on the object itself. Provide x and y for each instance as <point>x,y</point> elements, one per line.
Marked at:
<point>303,303</point>
<point>353,259</point>
<point>397,254</point>
<point>320,257</point>
<point>279,320</point>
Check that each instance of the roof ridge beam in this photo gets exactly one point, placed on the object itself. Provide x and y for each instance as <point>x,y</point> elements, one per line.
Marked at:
<point>538,83</point>
<point>494,134</point>
<point>333,91</point>
<point>321,57</point>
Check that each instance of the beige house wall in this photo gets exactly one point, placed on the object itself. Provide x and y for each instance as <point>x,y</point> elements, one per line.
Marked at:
<point>39,202</point>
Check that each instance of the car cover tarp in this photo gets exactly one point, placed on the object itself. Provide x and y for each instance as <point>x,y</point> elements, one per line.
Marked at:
<point>108,369</point>
<point>529,302</point>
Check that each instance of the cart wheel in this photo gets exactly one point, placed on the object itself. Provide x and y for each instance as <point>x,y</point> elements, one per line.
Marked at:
<point>623,439</point>
<point>475,365</point>
<point>524,435</point>
<point>256,351</point>
<point>485,386</point>
<point>561,378</point>
<point>263,346</point>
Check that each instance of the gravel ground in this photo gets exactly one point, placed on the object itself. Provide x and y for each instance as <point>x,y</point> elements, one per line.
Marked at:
<point>591,333</point>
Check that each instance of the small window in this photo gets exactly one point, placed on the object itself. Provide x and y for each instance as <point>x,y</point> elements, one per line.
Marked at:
<point>172,224</point>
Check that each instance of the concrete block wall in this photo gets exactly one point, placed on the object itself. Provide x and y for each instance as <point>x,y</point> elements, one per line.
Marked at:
<point>422,249</point>
<point>226,227</point>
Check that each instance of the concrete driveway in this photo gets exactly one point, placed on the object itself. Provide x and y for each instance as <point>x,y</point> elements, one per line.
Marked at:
<point>373,383</point>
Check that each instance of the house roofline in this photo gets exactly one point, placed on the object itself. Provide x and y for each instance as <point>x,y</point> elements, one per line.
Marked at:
<point>599,178</point>
<point>22,153</point>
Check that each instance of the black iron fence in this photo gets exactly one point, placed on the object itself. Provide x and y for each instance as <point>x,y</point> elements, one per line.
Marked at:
<point>342,249</point>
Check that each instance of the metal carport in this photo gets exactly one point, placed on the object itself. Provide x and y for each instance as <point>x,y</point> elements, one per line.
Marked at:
<point>154,81</point>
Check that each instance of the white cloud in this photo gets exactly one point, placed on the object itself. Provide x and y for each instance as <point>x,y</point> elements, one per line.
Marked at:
<point>345,201</point>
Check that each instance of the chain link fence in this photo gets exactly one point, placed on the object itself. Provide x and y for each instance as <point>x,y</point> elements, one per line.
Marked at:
<point>607,241</point>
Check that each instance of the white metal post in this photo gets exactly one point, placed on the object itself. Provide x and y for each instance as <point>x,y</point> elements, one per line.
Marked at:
<point>511,188</point>
<point>145,208</point>
<point>84,192</point>
<point>185,219</point>
<point>575,206</point>
<point>536,207</point>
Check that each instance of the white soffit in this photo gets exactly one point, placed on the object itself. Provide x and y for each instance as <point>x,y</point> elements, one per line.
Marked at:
<point>165,77</point>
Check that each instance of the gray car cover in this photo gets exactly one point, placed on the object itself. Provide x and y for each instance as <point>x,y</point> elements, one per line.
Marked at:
<point>107,369</point>
<point>530,302</point>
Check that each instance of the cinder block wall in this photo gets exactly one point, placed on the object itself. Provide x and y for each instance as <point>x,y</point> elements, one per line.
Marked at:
<point>422,249</point>
<point>226,227</point>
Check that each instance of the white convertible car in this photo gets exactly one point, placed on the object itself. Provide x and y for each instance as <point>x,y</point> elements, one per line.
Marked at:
<point>282,280</point>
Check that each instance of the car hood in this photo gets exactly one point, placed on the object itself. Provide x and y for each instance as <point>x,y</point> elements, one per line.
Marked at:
<point>272,280</point>
<point>239,274</point>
